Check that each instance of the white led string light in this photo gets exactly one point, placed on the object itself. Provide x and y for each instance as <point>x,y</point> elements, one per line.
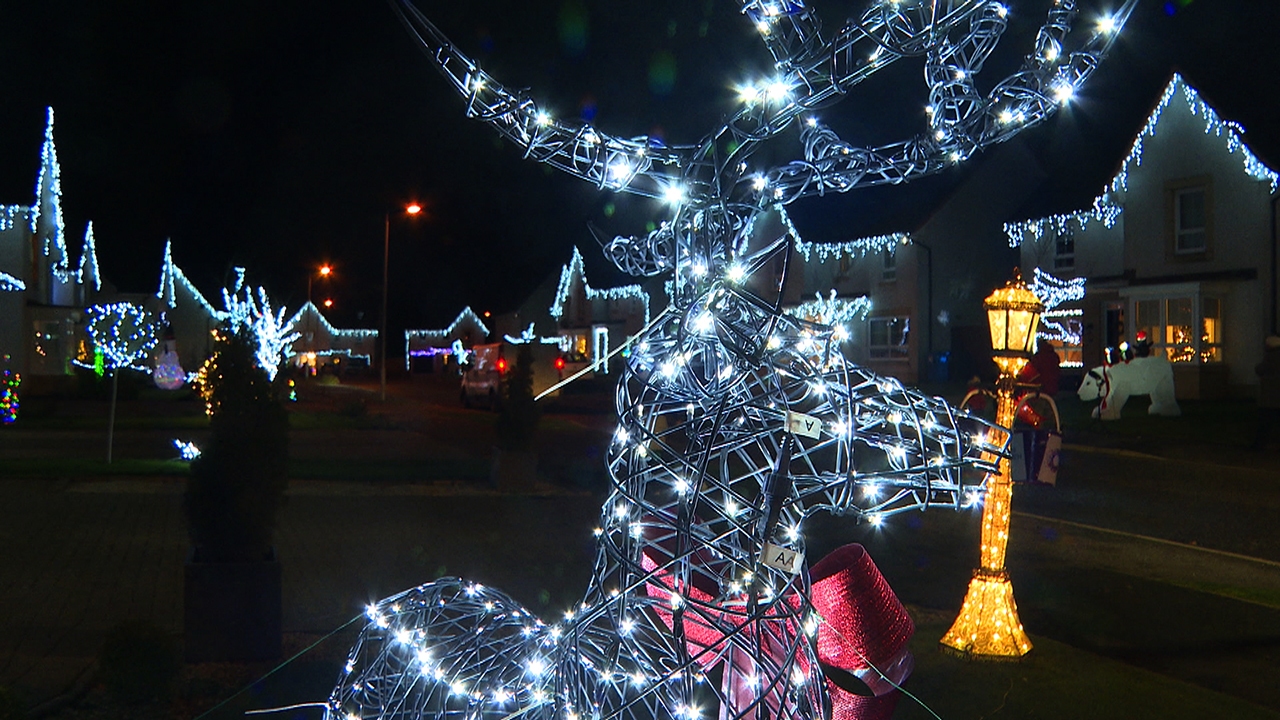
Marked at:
<point>50,178</point>
<point>124,333</point>
<point>576,271</point>
<point>9,283</point>
<point>736,420</point>
<point>88,271</point>
<point>272,332</point>
<point>1104,208</point>
<point>172,277</point>
<point>442,334</point>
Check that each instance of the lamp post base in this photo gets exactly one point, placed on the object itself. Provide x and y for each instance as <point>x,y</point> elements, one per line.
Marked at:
<point>988,626</point>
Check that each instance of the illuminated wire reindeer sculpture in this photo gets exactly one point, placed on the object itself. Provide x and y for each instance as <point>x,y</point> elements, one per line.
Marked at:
<point>736,421</point>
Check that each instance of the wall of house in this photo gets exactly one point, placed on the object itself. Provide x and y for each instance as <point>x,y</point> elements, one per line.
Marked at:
<point>13,239</point>
<point>1239,221</point>
<point>854,275</point>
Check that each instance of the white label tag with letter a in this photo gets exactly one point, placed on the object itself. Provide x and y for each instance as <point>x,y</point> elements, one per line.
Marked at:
<point>784,559</point>
<point>806,425</point>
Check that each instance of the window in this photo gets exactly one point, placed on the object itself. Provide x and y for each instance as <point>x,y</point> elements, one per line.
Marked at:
<point>1172,322</point>
<point>1190,217</point>
<point>1180,320</point>
<point>890,268</point>
<point>1064,250</point>
<point>888,338</point>
<point>1211,330</point>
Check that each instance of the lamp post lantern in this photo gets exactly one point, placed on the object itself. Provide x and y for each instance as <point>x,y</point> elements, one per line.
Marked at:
<point>410,209</point>
<point>988,624</point>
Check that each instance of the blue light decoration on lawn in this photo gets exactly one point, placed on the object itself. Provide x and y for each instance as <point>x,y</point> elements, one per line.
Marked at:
<point>736,420</point>
<point>187,450</point>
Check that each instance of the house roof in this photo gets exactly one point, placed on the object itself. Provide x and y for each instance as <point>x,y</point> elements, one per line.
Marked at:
<point>309,308</point>
<point>1178,96</point>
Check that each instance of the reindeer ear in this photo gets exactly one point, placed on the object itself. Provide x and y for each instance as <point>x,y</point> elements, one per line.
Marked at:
<point>1095,375</point>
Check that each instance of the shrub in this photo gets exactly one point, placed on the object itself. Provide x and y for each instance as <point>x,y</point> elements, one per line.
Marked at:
<point>237,484</point>
<point>518,416</point>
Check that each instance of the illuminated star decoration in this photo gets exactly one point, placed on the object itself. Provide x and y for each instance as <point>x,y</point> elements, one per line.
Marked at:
<point>736,421</point>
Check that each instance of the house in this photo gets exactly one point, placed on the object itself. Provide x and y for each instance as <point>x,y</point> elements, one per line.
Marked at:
<point>593,323</point>
<point>588,325</point>
<point>1180,245</point>
<point>320,344</point>
<point>430,350</point>
<point>187,320</point>
<point>43,288</point>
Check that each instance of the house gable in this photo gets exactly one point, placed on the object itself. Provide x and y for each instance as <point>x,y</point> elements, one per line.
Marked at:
<point>1179,105</point>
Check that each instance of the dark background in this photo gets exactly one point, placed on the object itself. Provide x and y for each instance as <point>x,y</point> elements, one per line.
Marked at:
<point>276,135</point>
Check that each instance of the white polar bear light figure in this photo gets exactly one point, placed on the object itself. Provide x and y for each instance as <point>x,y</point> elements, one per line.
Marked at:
<point>1140,376</point>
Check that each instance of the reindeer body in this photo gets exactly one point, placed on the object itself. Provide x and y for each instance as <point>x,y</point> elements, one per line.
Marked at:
<point>735,421</point>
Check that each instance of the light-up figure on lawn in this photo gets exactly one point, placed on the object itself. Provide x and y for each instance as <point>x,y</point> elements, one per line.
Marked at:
<point>735,420</point>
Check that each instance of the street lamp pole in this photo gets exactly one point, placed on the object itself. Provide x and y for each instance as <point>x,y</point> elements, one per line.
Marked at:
<point>410,209</point>
<point>382,328</point>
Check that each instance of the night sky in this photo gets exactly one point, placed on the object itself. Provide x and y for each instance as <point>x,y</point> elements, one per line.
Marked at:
<point>276,135</point>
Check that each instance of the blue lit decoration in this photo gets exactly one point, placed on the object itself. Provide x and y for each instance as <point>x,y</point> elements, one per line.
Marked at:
<point>186,450</point>
<point>1105,207</point>
<point>435,337</point>
<point>736,421</point>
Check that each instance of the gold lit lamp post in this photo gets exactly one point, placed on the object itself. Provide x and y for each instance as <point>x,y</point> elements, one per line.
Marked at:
<point>410,209</point>
<point>988,625</point>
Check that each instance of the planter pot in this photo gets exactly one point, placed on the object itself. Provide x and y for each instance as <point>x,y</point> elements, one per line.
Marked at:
<point>232,611</point>
<point>514,470</point>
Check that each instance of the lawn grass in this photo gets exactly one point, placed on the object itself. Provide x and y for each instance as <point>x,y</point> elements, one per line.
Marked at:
<point>1054,681</point>
<point>79,468</point>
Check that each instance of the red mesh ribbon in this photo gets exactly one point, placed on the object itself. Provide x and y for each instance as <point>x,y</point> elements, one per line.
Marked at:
<point>864,632</point>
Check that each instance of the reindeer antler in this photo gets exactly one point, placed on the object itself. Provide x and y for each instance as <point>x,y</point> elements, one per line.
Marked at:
<point>954,36</point>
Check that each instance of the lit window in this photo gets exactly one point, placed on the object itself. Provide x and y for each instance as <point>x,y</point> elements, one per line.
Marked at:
<point>1171,323</point>
<point>1191,226</point>
<point>888,337</point>
<point>1211,330</point>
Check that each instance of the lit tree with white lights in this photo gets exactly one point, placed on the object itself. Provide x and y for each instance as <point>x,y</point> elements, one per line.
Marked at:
<point>736,421</point>
<point>125,335</point>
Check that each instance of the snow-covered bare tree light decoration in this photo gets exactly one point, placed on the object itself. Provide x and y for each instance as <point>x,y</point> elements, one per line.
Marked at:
<point>125,335</point>
<point>736,421</point>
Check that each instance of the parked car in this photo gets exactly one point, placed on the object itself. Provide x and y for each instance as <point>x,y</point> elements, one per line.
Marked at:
<point>487,364</point>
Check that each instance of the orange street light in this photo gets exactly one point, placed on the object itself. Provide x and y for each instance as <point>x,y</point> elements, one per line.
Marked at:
<point>328,302</point>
